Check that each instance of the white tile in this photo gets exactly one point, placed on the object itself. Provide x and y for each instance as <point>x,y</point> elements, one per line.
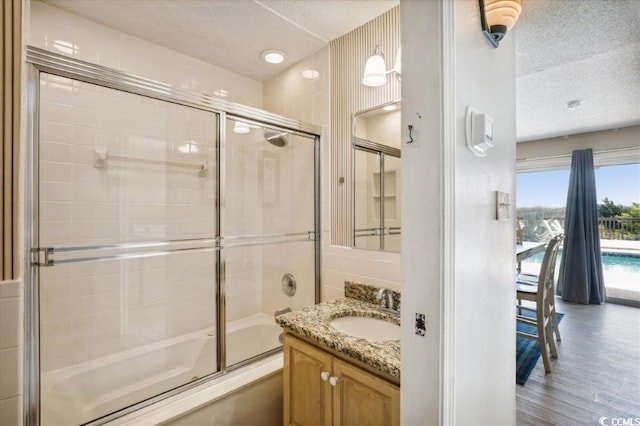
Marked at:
<point>10,289</point>
<point>11,320</point>
<point>11,411</point>
<point>10,371</point>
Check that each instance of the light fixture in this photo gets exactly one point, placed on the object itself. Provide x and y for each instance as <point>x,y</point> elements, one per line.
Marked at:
<point>497,17</point>
<point>391,107</point>
<point>272,56</point>
<point>310,74</point>
<point>221,93</point>
<point>375,70</point>
<point>240,127</point>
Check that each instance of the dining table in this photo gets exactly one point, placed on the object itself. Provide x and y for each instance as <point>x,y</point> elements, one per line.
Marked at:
<point>528,249</point>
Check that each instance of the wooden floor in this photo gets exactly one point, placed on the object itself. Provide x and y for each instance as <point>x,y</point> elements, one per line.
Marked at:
<point>597,372</point>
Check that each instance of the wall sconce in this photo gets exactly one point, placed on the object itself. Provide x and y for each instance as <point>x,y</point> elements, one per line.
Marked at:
<point>497,17</point>
<point>375,71</point>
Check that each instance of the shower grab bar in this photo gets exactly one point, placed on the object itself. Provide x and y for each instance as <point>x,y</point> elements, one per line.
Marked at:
<point>43,256</point>
<point>141,244</point>
<point>266,242</point>
<point>367,232</point>
<point>52,262</point>
<point>258,236</point>
<point>101,161</point>
<point>376,232</point>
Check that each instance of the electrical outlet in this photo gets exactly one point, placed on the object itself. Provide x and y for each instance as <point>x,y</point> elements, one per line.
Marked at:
<point>421,324</point>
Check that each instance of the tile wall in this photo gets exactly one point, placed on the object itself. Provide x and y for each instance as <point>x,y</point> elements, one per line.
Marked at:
<point>62,32</point>
<point>11,306</point>
<point>269,190</point>
<point>292,95</point>
<point>148,189</point>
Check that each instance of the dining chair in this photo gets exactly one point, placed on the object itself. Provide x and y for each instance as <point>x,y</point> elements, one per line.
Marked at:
<point>543,295</point>
<point>527,286</point>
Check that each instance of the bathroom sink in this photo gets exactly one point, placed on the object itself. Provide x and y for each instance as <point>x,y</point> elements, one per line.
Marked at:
<point>367,328</point>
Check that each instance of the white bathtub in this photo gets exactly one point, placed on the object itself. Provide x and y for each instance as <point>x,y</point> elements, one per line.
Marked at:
<point>84,392</point>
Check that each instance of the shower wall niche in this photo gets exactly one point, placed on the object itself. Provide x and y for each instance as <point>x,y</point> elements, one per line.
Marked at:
<point>159,237</point>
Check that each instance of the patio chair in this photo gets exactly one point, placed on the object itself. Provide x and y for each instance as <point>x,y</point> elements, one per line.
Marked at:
<point>542,294</point>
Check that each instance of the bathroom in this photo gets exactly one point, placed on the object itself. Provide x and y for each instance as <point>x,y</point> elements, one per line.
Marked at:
<point>210,226</point>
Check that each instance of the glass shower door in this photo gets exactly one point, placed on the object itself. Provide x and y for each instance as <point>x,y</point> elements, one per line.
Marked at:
<point>127,239</point>
<point>268,234</point>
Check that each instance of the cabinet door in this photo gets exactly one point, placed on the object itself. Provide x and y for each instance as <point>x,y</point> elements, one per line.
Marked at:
<point>362,399</point>
<point>307,398</point>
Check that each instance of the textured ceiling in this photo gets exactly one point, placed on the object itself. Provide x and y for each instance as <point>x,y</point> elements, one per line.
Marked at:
<point>566,50</point>
<point>587,50</point>
<point>232,33</point>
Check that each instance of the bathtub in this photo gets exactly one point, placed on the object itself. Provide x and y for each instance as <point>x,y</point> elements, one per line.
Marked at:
<point>84,392</point>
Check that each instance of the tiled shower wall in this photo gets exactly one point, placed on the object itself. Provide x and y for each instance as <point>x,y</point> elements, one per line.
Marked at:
<point>99,305</point>
<point>11,302</point>
<point>94,309</point>
<point>93,306</point>
<point>62,32</point>
<point>290,94</point>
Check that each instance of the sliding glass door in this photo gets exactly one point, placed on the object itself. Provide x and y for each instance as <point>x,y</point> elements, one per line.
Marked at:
<point>127,237</point>
<point>268,233</point>
<point>541,200</point>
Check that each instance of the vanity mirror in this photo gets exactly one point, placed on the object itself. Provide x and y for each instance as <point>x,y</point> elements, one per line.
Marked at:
<point>376,177</point>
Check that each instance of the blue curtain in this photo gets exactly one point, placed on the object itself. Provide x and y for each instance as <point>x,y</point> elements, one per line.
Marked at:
<point>581,266</point>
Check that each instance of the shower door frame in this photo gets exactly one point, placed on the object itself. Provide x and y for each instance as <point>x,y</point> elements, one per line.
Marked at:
<point>42,61</point>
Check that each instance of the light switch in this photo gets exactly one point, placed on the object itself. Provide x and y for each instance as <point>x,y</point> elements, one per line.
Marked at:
<point>502,205</point>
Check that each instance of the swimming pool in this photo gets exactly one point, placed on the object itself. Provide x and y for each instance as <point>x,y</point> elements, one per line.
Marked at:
<point>621,272</point>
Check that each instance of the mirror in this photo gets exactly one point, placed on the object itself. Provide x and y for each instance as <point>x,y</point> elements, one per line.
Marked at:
<point>376,169</point>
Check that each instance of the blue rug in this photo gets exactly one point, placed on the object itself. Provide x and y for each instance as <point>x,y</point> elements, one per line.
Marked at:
<point>527,350</point>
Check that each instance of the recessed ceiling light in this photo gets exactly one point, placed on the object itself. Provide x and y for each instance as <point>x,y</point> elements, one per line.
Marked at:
<point>310,74</point>
<point>221,93</point>
<point>272,56</point>
<point>391,107</point>
<point>575,104</point>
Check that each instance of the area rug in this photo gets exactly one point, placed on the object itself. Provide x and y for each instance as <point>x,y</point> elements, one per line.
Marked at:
<point>527,350</point>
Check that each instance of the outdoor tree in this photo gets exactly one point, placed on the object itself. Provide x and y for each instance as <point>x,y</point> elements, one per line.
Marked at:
<point>609,209</point>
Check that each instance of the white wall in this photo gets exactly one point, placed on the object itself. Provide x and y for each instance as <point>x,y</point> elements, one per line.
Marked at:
<point>421,211</point>
<point>484,247</point>
<point>625,137</point>
<point>474,383</point>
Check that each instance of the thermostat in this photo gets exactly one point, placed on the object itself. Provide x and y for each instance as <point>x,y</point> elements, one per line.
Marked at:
<point>479,132</point>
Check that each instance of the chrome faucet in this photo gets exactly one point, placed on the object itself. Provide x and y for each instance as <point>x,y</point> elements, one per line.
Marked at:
<point>387,303</point>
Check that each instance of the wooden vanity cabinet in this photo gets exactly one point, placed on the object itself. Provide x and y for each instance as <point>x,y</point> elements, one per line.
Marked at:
<point>346,395</point>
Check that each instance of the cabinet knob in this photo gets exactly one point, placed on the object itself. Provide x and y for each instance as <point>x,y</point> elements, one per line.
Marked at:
<point>324,376</point>
<point>333,380</point>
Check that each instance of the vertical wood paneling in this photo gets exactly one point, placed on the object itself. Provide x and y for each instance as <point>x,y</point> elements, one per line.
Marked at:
<point>349,55</point>
<point>10,39</point>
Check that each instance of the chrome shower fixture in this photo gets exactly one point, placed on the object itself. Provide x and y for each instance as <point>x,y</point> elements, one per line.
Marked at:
<point>276,138</point>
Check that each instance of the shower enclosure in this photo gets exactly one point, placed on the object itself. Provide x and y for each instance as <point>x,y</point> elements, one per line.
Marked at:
<point>165,229</point>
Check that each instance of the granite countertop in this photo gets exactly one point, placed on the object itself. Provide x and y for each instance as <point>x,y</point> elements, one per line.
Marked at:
<point>312,322</point>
